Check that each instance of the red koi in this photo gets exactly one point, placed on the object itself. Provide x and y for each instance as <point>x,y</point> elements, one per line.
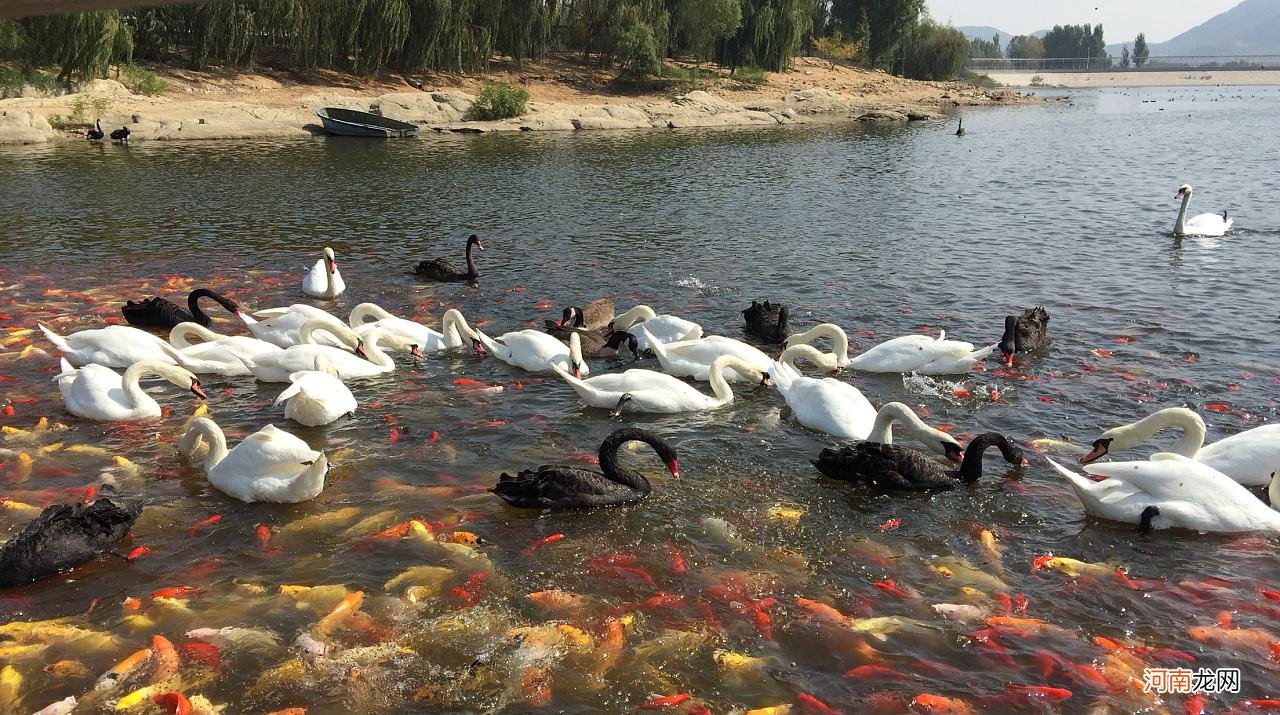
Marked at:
<point>203,570</point>
<point>263,532</point>
<point>131,604</point>
<point>173,703</point>
<point>874,671</point>
<point>177,592</point>
<point>1191,358</point>
<point>435,437</point>
<point>984,639</point>
<point>1196,705</point>
<point>1020,603</point>
<point>137,552</point>
<point>1123,340</point>
<point>933,668</point>
<point>544,541</point>
<point>658,702</point>
<point>205,654</point>
<point>1264,704</point>
<point>891,588</point>
<point>678,566</point>
<point>1217,407</point>
<point>1038,562</point>
<point>1039,691</point>
<point>890,524</point>
<point>1004,601</point>
<point>1087,675</point>
<point>962,392</point>
<point>995,395</point>
<point>811,705</point>
<point>393,436</point>
<point>468,382</point>
<point>1124,579</point>
<point>1045,398</point>
<point>763,623</point>
<point>203,524</point>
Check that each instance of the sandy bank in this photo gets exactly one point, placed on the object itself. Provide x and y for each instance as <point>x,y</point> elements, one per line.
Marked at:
<point>1181,78</point>
<point>564,97</point>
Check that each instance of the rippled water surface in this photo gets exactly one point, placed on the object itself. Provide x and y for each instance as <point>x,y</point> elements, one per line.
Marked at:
<point>886,230</point>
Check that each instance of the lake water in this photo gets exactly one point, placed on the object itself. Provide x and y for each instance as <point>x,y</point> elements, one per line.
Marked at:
<point>883,229</point>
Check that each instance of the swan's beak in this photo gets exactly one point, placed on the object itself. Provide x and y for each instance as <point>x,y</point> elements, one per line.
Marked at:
<point>953,452</point>
<point>199,391</point>
<point>333,266</point>
<point>360,350</point>
<point>415,351</point>
<point>1098,452</point>
<point>674,469</point>
<point>478,347</point>
<point>577,370</point>
<point>479,245</point>
<point>1008,359</point>
<point>764,380</point>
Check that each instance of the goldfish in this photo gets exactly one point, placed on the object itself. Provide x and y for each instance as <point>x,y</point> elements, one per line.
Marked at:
<point>938,705</point>
<point>17,508</point>
<point>962,612</point>
<point>664,701</point>
<point>109,680</point>
<point>1024,627</point>
<point>140,696</point>
<point>67,669</point>
<point>1071,567</point>
<point>177,592</point>
<point>1031,692</point>
<point>320,599</point>
<point>348,605</point>
<point>544,541</point>
<point>874,671</point>
<point>880,627</point>
<point>1258,640</point>
<point>785,514</point>
<point>428,576</point>
<point>738,666</point>
<point>369,525</point>
<point>10,688</point>
<point>559,602</point>
<point>329,520</point>
<point>205,654</point>
<point>203,524</point>
<point>13,653</point>
<point>989,544</point>
<point>173,702</point>
<point>772,710</point>
<point>822,611</point>
<point>165,657</point>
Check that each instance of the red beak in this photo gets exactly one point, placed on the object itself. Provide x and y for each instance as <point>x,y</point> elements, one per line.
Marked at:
<point>195,387</point>
<point>1008,359</point>
<point>1095,453</point>
<point>416,351</point>
<point>360,350</point>
<point>673,468</point>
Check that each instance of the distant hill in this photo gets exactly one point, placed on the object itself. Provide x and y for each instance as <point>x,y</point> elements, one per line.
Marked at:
<point>1250,28</point>
<point>985,33</point>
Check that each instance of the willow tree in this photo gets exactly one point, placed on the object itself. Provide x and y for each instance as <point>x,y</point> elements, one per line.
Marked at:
<point>522,28</point>
<point>379,33</point>
<point>83,45</point>
<point>226,32</point>
<point>445,35</point>
<point>769,35</point>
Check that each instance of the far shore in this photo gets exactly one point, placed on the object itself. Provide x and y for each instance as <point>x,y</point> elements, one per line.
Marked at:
<point>1152,78</point>
<point>563,97</point>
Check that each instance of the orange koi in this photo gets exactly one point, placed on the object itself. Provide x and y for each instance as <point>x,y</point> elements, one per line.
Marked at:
<point>1257,705</point>
<point>1039,691</point>
<point>132,604</point>
<point>544,541</point>
<point>889,587</point>
<point>962,392</point>
<point>1217,407</point>
<point>678,566</point>
<point>890,524</point>
<point>263,532</point>
<point>137,552</point>
<point>340,613</point>
<point>173,703</point>
<point>289,711</point>
<point>813,706</point>
<point>938,705</point>
<point>203,524</point>
<point>205,654</point>
<point>166,657</point>
<point>177,592</point>
<point>822,611</point>
<point>874,671</point>
<point>658,702</point>
<point>1196,705</point>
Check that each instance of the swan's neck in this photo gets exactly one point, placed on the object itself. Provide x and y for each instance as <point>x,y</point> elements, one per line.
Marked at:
<point>839,339</point>
<point>454,326</point>
<point>375,353</point>
<point>179,337</point>
<point>133,392</point>
<point>631,317</point>
<point>306,333</point>
<point>365,310</point>
<point>212,434</point>
<point>575,349</point>
<point>809,352</point>
<point>471,261</point>
<point>1192,426</point>
<point>720,386</point>
<point>882,428</point>
<point>609,462</point>
<point>1182,213</point>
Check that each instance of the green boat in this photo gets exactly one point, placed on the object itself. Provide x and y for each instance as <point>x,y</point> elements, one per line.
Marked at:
<point>355,123</point>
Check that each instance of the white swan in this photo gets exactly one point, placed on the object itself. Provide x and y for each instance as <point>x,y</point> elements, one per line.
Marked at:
<point>100,393</point>
<point>269,465</point>
<point>367,360</point>
<point>1250,457</point>
<point>935,439</point>
<point>452,327</point>
<point>693,358</point>
<point>280,326</point>
<point>651,391</point>
<point>113,346</point>
<point>324,280</point>
<point>536,351</point>
<point>827,405</point>
<point>909,353</point>
<point>217,354</point>
<point>1184,493</point>
<point>1202,225</point>
<point>667,328</point>
<point>317,397</point>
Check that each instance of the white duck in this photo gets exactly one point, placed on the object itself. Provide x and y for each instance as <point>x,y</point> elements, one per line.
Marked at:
<point>1172,491</point>
<point>1202,225</point>
<point>367,360</point>
<point>269,465</point>
<point>280,326</point>
<point>909,353</point>
<point>693,358</point>
<point>113,346</point>
<point>217,354</point>
<point>536,351</point>
<point>1250,457</point>
<point>666,328</point>
<point>324,280</point>
<point>100,393</point>
<point>651,391</point>
<point>317,397</point>
<point>827,405</point>
<point>452,327</point>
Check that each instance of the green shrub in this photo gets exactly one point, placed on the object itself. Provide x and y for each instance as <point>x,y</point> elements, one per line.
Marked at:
<point>141,81</point>
<point>980,80</point>
<point>751,75</point>
<point>1037,81</point>
<point>498,100</point>
<point>638,53</point>
<point>14,77</point>
<point>690,78</point>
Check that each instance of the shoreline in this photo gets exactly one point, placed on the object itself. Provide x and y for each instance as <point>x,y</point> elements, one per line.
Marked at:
<point>1144,78</point>
<point>243,105</point>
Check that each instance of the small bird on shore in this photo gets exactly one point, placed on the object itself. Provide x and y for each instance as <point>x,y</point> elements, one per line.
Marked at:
<point>96,133</point>
<point>960,129</point>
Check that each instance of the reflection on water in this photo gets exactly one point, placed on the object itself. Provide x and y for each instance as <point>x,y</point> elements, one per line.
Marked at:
<point>884,230</point>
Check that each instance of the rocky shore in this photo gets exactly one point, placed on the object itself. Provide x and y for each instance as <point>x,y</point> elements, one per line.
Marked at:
<point>256,107</point>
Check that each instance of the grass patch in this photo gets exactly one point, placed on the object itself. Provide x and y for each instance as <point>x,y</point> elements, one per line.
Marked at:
<point>498,100</point>
<point>689,78</point>
<point>13,78</point>
<point>751,76</point>
<point>141,81</point>
<point>980,80</point>
<point>1037,81</point>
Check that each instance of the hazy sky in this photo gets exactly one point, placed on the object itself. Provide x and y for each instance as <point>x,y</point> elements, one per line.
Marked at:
<point>1121,19</point>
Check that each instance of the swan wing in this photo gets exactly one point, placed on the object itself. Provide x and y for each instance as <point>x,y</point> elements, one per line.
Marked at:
<point>831,406</point>
<point>315,282</point>
<point>97,392</point>
<point>1207,225</point>
<point>535,350</point>
<point>1250,457</point>
<point>1169,477</point>
<point>269,452</point>
<point>902,354</point>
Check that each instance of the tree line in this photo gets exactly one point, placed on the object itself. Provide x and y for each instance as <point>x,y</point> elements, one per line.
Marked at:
<point>364,36</point>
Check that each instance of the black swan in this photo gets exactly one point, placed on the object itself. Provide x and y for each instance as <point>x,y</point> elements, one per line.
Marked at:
<point>891,468</point>
<point>960,129</point>
<point>558,487</point>
<point>95,134</point>
<point>1024,333</point>
<point>156,312</point>
<point>767,321</point>
<point>442,270</point>
<point>63,536</point>
<point>121,135</point>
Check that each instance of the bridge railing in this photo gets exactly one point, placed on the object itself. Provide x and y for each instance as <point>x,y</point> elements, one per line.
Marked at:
<point>1112,64</point>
